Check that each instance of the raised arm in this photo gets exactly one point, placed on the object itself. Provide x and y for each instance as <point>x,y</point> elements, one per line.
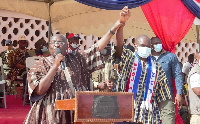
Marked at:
<point>124,15</point>
<point>102,43</point>
<point>119,41</point>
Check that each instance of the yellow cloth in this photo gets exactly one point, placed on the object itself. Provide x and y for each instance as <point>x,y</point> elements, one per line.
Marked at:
<point>186,87</point>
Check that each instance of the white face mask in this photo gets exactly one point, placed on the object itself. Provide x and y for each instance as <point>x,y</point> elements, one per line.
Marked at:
<point>158,47</point>
<point>103,52</point>
<point>44,49</point>
<point>144,52</point>
<point>74,45</point>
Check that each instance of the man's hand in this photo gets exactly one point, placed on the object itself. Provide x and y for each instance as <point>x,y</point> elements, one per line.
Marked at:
<point>102,85</point>
<point>109,84</point>
<point>124,14</point>
<point>20,66</point>
<point>178,100</point>
<point>57,59</point>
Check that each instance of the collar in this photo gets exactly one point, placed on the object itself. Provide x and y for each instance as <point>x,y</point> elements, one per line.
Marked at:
<point>163,51</point>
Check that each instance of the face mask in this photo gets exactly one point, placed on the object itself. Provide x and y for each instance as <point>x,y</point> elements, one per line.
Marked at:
<point>75,45</point>
<point>158,47</point>
<point>103,52</point>
<point>44,49</point>
<point>144,52</point>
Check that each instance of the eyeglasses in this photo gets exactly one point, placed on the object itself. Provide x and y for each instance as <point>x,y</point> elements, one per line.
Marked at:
<point>60,43</point>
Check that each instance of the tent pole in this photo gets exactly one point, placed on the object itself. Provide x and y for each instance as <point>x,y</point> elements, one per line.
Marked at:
<point>49,30</point>
<point>198,38</point>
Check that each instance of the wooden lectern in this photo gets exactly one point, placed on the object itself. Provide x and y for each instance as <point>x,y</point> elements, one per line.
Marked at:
<point>92,106</point>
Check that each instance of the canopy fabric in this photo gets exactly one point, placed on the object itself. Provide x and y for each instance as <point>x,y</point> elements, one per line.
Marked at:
<point>193,6</point>
<point>114,4</point>
<point>32,8</point>
<point>80,18</point>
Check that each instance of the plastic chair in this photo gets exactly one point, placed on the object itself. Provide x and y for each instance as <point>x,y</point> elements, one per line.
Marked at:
<point>3,82</point>
<point>29,62</point>
<point>18,79</point>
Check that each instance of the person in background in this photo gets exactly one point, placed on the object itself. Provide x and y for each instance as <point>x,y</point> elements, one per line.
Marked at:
<point>184,113</point>
<point>40,49</point>
<point>172,69</point>
<point>73,43</point>
<point>16,61</point>
<point>106,77</point>
<point>187,66</point>
<point>194,92</point>
<point>4,56</point>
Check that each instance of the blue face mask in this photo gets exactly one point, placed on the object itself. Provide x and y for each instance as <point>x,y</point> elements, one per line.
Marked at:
<point>144,52</point>
<point>75,45</point>
<point>158,47</point>
<point>44,49</point>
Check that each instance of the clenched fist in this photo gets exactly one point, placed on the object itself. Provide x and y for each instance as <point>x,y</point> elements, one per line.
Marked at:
<point>59,57</point>
<point>124,14</point>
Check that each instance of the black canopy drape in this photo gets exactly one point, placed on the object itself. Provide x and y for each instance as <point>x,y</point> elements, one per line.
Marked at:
<point>193,6</point>
<point>113,4</point>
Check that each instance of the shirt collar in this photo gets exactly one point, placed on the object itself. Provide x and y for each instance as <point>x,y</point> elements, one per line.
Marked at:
<point>163,51</point>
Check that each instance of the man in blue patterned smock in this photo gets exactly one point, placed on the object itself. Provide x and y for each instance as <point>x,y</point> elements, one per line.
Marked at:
<point>142,76</point>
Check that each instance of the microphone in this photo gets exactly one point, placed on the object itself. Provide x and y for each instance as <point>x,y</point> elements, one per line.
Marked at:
<point>63,64</point>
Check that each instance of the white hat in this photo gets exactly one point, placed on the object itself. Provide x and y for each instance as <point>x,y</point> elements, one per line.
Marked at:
<point>21,37</point>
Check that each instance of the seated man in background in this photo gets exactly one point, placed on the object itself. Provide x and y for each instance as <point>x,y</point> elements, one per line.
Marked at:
<point>16,60</point>
<point>40,49</point>
<point>4,56</point>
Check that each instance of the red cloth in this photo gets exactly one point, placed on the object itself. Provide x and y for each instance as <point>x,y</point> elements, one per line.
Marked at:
<point>170,20</point>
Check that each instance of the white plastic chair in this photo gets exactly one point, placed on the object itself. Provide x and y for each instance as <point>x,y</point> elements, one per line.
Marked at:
<point>29,62</point>
<point>3,82</point>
